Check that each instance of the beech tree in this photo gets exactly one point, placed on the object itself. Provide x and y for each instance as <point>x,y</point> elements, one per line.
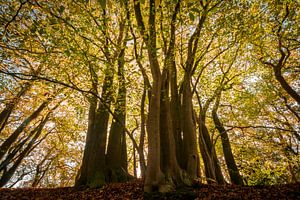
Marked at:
<point>174,91</point>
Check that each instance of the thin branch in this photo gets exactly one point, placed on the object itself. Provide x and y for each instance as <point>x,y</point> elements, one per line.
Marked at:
<point>13,18</point>
<point>257,127</point>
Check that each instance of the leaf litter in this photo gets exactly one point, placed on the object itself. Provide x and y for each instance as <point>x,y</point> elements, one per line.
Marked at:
<point>134,190</point>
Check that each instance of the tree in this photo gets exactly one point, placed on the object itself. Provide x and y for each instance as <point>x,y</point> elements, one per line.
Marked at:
<point>235,176</point>
<point>170,80</point>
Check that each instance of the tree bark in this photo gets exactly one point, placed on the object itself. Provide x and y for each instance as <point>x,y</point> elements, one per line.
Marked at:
<point>7,174</point>
<point>143,133</point>
<point>174,175</point>
<point>175,104</point>
<point>209,154</point>
<point>191,156</point>
<point>92,171</point>
<point>285,85</point>
<point>4,115</point>
<point>13,137</point>
<point>116,157</point>
<point>234,174</point>
<point>154,176</point>
<point>93,168</point>
<point>190,152</point>
<point>209,168</point>
<point>86,170</point>
<point>6,112</point>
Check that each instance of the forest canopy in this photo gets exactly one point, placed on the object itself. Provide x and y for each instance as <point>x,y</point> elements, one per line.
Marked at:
<point>171,91</point>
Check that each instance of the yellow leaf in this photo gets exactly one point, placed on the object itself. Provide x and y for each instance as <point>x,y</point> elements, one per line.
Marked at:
<point>157,3</point>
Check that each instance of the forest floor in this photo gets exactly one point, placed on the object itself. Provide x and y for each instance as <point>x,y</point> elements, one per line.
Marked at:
<point>134,190</point>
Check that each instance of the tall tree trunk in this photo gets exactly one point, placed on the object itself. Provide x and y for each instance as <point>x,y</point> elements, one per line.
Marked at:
<point>234,174</point>
<point>209,154</point>
<point>5,113</point>
<point>189,133</point>
<point>101,126</point>
<point>209,168</point>
<point>154,176</point>
<point>143,132</point>
<point>92,172</point>
<point>13,137</point>
<point>146,92</point>
<point>86,171</point>
<point>190,152</point>
<point>174,175</point>
<point>7,174</point>
<point>116,156</point>
<point>175,104</point>
<point>170,128</point>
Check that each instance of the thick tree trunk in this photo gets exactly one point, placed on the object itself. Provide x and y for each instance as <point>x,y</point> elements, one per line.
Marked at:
<point>175,116</point>
<point>189,133</point>
<point>174,175</point>
<point>116,157</point>
<point>92,172</point>
<point>161,137</point>
<point>190,152</point>
<point>86,170</point>
<point>175,104</point>
<point>234,174</point>
<point>93,169</point>
<point>154,176</point>
<point>98,152</point>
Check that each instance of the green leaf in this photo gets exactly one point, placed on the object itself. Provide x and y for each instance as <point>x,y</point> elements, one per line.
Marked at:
<point>33,29</point>
<point>67,53</point>
<point>192,16</point>
<point>53,21</point>
<point>190,4</point>
<point>195,10</point>
<point>61,9</point>
<point>41,31</point>
<point>102,3</point>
